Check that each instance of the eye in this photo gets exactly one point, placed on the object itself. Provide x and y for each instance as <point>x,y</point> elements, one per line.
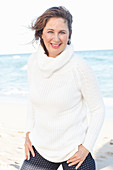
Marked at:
<point>62,32</point>
<point>50,32</point>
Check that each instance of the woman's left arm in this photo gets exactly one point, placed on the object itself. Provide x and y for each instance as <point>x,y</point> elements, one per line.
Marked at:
<point>92,96</point>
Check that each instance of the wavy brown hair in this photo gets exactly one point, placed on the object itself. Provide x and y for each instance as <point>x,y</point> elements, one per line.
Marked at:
<point>41,21</point>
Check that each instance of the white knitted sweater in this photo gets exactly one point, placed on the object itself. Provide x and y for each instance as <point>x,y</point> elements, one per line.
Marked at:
<point>60,90</point>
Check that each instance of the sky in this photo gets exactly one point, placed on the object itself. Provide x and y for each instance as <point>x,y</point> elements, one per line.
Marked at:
<point>92,23</point>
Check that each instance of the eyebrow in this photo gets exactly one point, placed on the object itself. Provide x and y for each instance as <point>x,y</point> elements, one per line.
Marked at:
<point>53,29</point>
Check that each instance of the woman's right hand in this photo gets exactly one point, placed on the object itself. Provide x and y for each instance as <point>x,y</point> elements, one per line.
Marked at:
<point>28,147</point>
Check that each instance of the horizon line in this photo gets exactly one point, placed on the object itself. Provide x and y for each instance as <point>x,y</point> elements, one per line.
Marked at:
<point>74,51</point>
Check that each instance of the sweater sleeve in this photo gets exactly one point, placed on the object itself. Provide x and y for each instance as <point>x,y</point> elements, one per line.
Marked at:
<point>92,96</point>
<point>30,108</point>
<point>29,117</point>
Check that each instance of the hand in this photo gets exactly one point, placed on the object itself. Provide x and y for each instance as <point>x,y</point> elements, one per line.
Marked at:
<point>28,147</point>
<point>78,157</point>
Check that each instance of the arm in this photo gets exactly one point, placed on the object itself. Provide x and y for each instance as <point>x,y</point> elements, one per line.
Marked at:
<point>30,119</point>
<point>88,86</point>
<point>92,96</point>
<point>30,108</point>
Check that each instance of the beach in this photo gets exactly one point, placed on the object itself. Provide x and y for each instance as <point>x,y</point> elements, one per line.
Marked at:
<point>12,136</point>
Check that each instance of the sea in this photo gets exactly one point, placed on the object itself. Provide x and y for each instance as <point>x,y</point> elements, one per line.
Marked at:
<point>13,73</point>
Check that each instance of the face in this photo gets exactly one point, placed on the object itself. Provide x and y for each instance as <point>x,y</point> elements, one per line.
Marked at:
<point>55,36</point>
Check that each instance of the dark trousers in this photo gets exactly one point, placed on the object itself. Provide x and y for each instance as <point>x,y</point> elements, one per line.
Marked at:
<point>40,163</point>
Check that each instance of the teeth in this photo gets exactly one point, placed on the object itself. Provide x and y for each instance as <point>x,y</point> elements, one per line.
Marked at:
<point>55,45</point>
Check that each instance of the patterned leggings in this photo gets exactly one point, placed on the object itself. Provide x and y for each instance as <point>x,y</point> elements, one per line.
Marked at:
<point>40,163</point>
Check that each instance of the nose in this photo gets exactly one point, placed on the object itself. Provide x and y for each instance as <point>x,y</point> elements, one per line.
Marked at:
<point>56,37</point>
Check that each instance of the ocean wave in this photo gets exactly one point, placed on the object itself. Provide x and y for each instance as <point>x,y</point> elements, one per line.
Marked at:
<point>111,66</point>
<point>24,67</point>
<point>16,57</point>
<point>14,91</point>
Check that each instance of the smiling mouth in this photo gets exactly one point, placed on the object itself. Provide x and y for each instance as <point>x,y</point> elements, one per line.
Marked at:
<point>55,45</point>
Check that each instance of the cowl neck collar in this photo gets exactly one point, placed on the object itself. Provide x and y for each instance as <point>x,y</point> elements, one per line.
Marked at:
<point>49,65</point>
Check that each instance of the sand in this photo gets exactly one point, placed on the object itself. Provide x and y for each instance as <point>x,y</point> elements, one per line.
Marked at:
<point>12,136</point>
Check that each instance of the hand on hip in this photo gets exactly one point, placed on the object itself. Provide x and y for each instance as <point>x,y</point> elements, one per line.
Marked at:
<point>78,157</point>
<point>28,147</point>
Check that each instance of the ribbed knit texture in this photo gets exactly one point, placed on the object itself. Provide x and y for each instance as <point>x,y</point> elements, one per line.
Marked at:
<point>60,89</point>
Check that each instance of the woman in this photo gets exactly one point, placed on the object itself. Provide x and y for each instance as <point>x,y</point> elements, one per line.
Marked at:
<point>61,86</point>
